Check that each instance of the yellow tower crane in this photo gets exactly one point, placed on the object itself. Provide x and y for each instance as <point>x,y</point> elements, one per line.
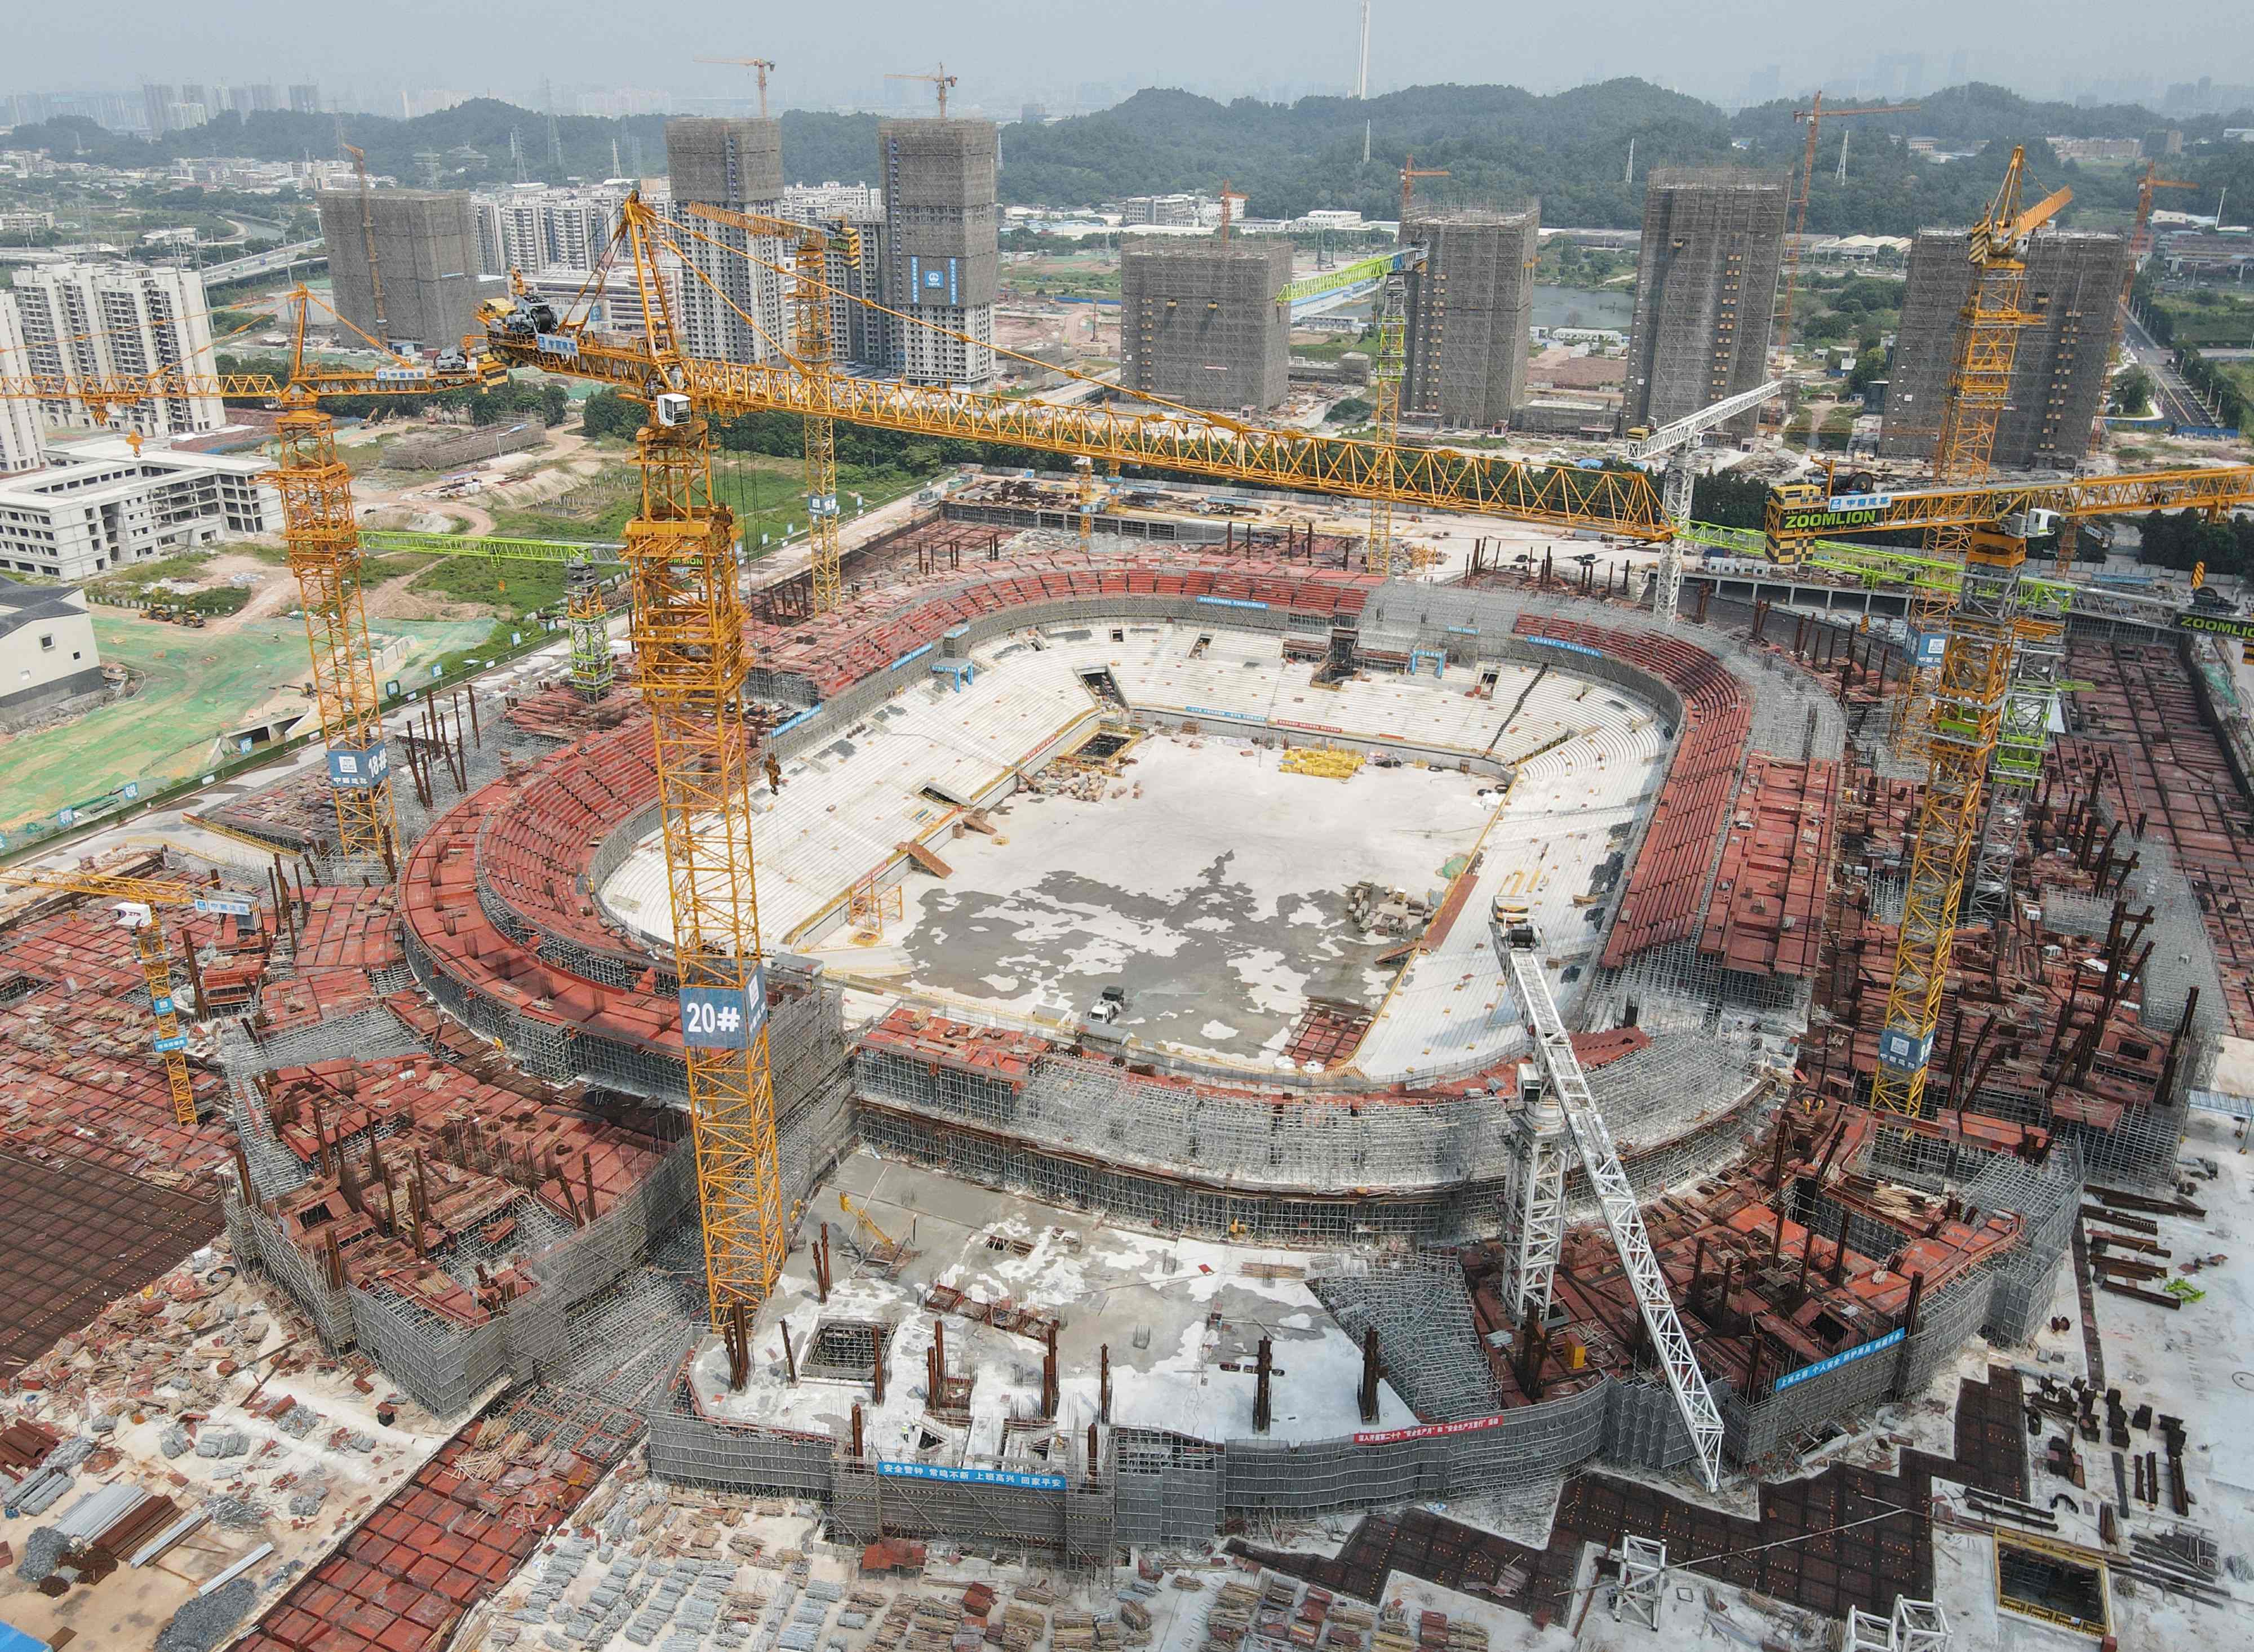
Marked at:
<point>1980,389</point>
<point>940,80</point>
<point>1387,370</point>
<point>813,350</point>
<point>320,534</point>
<point>367,238</point>
<point>1970,682</point>
<point>138,900</point>
<point>1813,116</point>
<point>759,66</point>
<point>2140,244</point>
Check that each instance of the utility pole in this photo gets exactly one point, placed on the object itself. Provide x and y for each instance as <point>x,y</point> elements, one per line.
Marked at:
<point>1362,80</point>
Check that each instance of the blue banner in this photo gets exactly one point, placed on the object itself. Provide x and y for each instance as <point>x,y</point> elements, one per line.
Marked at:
<point>970,1476</point>
<point>1845,1356</point>
<point>1570,647</point>
<point>1230,602</point>
<point>166,1046</point>
<point>913,654</point>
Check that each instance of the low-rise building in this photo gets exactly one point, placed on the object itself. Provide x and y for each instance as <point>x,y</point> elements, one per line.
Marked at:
<point>46,647</point>
<point>98,506</point>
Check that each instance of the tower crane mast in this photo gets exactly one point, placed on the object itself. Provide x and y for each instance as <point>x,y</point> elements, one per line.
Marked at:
<point>1963,717</point>
<point>1813,117</point>
<point>138,901</point>
<point>2140,245</point>
<point>1678,442</point>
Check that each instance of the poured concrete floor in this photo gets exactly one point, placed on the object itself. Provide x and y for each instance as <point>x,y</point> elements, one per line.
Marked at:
<point>1212,891</point>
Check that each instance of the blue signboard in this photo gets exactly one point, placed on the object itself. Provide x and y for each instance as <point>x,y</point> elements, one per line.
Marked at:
<point>557,343</point>
<point>971,1476</point>
<point>224,906</point>
<point>130,790</point>
<point>1927,647</point>
<point>1845,1356</point>
<point>1903,1050</point>
<point>1230,602</point>
<point>177,1041</point>
<point>161,1004</point>
<point>1859,501</point>
<point>1570,647</point>
<point>358,771</point>
<point>725,1018</point>
<point>934,280</point>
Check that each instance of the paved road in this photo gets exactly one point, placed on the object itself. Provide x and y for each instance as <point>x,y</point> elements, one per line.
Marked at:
<point>2171,396</point>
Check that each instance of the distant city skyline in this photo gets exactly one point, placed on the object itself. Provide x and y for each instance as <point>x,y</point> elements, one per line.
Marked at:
<point>1071,55</point>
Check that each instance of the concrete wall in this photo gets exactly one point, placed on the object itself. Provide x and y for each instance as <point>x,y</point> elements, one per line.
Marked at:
<point>1471,313</point>
<point>1706,271</point>
<point>427,252</point>
<point>2059,371</point>
<point>1201,323</point>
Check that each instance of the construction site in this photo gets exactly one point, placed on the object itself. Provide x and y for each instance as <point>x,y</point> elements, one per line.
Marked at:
<point>1239,1040</point>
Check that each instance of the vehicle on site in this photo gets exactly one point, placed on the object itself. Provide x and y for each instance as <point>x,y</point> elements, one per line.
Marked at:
<point>520,317</point>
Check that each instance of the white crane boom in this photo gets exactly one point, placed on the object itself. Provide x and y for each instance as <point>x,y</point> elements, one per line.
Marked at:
<point>1683,430</point>
<point>1678,440</point>
<point>1561,1069</point>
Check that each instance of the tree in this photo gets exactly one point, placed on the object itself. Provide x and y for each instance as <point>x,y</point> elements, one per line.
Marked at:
<point>2132,392</point>
<point>1729,500</point>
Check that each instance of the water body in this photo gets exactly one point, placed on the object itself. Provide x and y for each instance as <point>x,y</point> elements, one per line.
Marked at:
<point>1578,307</point>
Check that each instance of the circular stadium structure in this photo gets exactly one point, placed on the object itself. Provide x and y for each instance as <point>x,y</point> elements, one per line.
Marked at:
<point>1148,1084</point>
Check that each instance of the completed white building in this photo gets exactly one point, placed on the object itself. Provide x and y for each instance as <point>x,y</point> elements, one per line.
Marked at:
<point>93,322</point>
<point>536,229</point>
<point>96,505</point>
<point>19,421</point>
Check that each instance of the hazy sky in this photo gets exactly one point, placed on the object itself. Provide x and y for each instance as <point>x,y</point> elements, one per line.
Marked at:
<point>1008,50</point>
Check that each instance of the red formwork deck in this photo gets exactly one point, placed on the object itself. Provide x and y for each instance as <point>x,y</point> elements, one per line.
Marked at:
<point>877,629</point>
<point>78,1078</point>
<point>2144,741</point>
<point>535,853</point>
<point>1765,916</point>
<point>451,1536</point>
<point>1665,886</point>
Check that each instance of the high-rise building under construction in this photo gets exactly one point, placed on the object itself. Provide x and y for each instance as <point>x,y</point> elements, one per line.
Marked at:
<point>2058,364</point>
<point>427,258</point>
<point>1706,286</point>
<point>1204,322</point>
<point>1471,313</point>
<point>942,266</point>
<point>732,289</point>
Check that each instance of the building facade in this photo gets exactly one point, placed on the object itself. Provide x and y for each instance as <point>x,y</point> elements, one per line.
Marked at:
<point>731,307</point>
<point>1471,316</point>
<point>942,262</point>
<point>427,253</point>
<point>536,229</point>
<point>99,321</point>
<point>1706,271</point>
<point>19,419</point>
<point>2060,368</point>
<point>47,648</point>
<point>1206,323</point>
<point>98,506</point>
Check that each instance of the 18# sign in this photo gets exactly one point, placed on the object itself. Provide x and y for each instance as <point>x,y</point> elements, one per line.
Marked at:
<point>725,1018</point>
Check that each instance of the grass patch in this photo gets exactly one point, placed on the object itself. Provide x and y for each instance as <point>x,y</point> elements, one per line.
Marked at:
<point>149,583</point>
<point>1332,349</point>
